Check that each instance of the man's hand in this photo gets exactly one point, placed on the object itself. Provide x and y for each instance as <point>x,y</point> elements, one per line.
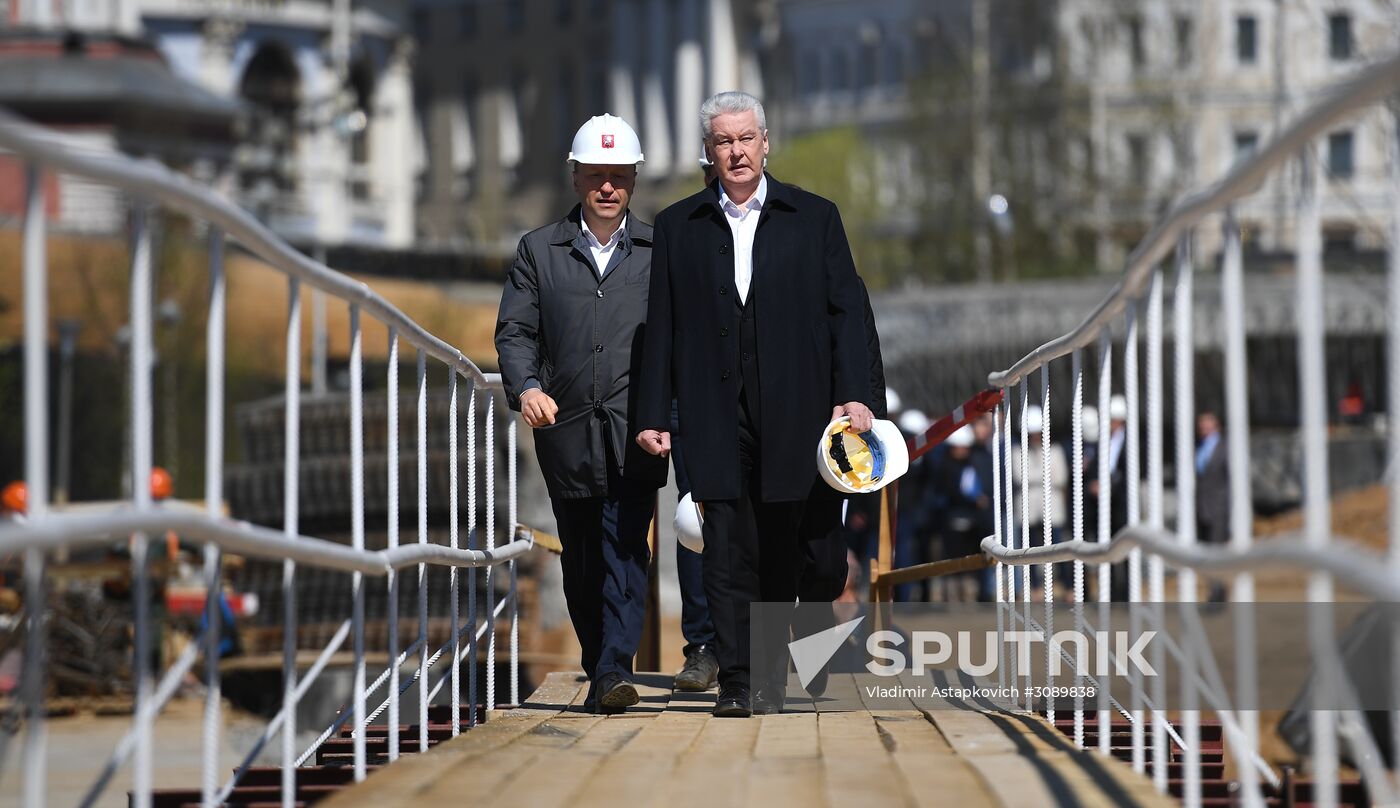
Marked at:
<point>537,407</point>
<point>655,442</point>
<point>861,417</point>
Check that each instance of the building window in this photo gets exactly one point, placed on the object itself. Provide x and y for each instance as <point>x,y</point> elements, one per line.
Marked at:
<point>1246,39</point>
<point>840,72</point>
<point>1340,43</point>
<point>466,21</point>
<point>1137,159</point>
<point>1245,144</point>
<point>1135,42</point>
<point>515,16</point>
<point>1341,156</point>
<point>868,68</point>
<point>1185,41</point>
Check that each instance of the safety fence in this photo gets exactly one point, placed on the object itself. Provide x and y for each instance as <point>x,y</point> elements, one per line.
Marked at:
<point>44,531</point>
<point>1147,542</point>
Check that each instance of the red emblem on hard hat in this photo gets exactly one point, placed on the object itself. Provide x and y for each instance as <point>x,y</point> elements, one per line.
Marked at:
<point>607,141</point>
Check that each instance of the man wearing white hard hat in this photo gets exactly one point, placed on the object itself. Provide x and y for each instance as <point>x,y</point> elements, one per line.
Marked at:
<point>756,329</point>
<point>573,312</point>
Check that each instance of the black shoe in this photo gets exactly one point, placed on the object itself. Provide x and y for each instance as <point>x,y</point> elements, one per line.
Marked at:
<point>699,672</point>
<point>733,702</point>
<point>615,694</point>
<point>769,699</point>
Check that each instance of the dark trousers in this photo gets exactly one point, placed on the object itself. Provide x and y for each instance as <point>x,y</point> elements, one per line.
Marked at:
<point>751,555</point>
<point>605,576</point>
<point>824,569</point>
<point>690,565</point>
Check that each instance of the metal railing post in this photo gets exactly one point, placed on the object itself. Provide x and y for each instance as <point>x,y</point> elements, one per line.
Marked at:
<point>490,545</point>
<point>1241,494</point>
<point>513,515</point>
<point>1317,509</point>
<point>357,532</point>
<point>140,369</point>
<point>1028,673</point>
<point>36,480</point>
<point>1156,587</point>
<point>471,544</point>
<point>999,526</point>
<point>1183,308</point>
<point>1133,473</point>
<point>422,465</point>
<point>391,449</point>
<point>1076,481</point>
<point>213,507</point>
<point>453,520</point>
<point>1047,538</point>
<point>290,511</point>
<point>1103,453</point>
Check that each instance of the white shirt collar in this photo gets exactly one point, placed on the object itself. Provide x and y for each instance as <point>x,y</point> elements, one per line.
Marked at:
<point>755,202</point>
<point>593,240</point>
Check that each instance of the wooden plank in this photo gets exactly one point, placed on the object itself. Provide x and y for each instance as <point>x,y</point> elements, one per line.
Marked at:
<point>716,767</point>
<point>787,735</point>
<point>856,765</point>
<point>934,773</point>
<point>404,782</point>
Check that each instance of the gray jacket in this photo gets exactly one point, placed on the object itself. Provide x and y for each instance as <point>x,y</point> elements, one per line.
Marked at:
<point>578,336</point>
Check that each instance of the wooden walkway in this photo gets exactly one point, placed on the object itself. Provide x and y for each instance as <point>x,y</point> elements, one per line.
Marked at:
<point>669,751</point>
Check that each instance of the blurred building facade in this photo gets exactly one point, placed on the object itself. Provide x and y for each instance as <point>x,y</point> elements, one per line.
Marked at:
<point>1182,89</point>
<point>1086,118</point>
<point>324,152</point>
<point>502,87</point>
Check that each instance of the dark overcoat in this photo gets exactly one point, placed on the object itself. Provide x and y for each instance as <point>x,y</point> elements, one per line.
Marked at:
<point>564,328</point>
<point>811,338</point>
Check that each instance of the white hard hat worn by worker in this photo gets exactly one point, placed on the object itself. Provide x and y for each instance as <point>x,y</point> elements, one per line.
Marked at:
<point>606,140</point>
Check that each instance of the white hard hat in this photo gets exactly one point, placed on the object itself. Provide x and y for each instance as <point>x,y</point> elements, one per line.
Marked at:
<point>914,421</point>
<point>1118,408</point>
<point>962,437</point>
<point>1035,418</point>
<point>892,400</point>
<point>1089,423</point>
<point>860,463</point>
<point>688,522</point>
<point>606,140</point>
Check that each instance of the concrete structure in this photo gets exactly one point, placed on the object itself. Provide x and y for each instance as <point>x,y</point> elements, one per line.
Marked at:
<point>327,153</point>
<point>503,86</point>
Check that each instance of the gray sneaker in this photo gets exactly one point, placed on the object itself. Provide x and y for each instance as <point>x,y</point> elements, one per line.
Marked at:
<point>699,672</point>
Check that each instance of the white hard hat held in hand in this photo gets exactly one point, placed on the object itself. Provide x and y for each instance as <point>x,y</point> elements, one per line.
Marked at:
<point>606,140</point>
<point>858,463</point>
<point>689,519</point>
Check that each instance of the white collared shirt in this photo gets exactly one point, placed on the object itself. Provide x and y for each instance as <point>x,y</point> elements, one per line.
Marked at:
<point>743,223</point>
<point>602,253</point>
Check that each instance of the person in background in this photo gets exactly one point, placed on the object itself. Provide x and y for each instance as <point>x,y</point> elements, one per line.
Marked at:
<point>1212,490</point>
<point>962,482</point>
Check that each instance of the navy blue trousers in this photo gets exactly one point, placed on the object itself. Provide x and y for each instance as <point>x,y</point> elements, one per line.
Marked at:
<point>605,576</point>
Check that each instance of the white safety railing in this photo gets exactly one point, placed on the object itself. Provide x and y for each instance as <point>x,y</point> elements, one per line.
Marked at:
<point>1146,543</point>
<point>42,532</point>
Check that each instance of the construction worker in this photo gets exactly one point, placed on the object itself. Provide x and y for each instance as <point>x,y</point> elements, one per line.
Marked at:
<point>572,311</point>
